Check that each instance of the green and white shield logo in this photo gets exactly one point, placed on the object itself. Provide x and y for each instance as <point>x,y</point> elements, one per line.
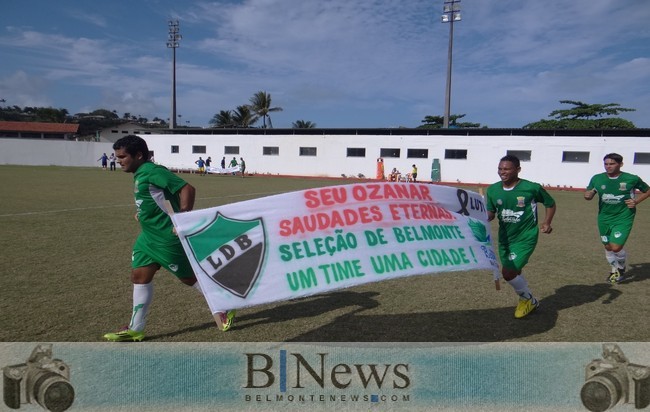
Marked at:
<point>230,252</point>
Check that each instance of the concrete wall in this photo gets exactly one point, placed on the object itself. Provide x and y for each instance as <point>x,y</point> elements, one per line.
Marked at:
<point>37,152</point>
<point>483,153</point>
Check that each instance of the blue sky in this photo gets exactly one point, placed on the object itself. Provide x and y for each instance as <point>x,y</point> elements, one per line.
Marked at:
<point>337,63</point>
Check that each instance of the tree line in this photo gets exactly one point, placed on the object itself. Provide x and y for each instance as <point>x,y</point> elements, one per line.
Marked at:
<point>580,116</point>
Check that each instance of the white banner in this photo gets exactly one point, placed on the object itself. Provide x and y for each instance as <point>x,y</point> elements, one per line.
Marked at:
<point>312,241</point>
<point>221,171</point>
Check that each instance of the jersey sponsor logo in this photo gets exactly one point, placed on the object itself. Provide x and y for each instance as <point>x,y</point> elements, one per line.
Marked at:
<point>510,216</point>
<point>612,199</point>
<point>521,201</point>
<point>230,252</point>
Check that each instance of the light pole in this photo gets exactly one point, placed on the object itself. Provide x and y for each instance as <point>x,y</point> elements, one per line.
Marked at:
<point>172,43</point>
<point>450,14</point>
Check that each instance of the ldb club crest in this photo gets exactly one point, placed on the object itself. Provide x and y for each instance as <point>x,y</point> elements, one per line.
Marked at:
<point>230,252</point>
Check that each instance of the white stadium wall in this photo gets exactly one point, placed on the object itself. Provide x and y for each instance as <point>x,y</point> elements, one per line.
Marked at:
<point>39,152</point>
<point>546,163</point>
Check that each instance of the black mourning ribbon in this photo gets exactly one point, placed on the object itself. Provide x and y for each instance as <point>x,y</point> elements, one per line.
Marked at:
<point>463,198</point>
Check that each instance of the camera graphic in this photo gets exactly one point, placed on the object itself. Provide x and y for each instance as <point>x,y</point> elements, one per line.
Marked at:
<point>614,380</point>
<point>40,380</point>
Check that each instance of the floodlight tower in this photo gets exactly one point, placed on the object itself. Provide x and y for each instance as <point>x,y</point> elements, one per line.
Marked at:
<point>173,43</point>
<point>450,14</point>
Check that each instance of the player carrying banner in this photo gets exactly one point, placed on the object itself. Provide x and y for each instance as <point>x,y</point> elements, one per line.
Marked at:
<point>157,245</point>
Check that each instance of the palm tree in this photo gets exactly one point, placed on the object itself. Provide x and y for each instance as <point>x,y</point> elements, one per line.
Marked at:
<point>223,119</point>
<point>261,106</point>
<point>243,117</point>
<point>303,124</point>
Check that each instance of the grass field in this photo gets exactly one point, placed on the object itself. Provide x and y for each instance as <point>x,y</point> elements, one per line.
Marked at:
<point>66,245</point>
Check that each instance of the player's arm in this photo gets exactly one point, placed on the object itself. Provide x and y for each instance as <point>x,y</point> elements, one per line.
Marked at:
<point>548,218</point>
<point>631,203</point>
<point>491,215</point>
<point>186,197</point>
<point>590,193</point>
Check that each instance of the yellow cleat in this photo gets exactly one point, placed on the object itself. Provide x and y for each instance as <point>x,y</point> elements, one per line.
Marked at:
<point>224,319</point>
<point>525,307</point>
<point>125,335</point>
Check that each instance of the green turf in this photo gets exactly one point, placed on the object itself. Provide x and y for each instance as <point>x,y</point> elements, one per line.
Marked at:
<point>66,241</point>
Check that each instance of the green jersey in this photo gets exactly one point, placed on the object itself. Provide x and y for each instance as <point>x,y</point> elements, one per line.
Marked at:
<point>613,192</point>
<point>516,209</point>
<point>153,185</point>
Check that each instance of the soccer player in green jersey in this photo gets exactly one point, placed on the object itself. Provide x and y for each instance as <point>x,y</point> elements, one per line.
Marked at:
<point>616,210</point>
<point>157,245</point>
<point>514,202</point>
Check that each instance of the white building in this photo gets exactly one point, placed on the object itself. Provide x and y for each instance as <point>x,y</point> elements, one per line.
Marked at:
<point>556,158</point>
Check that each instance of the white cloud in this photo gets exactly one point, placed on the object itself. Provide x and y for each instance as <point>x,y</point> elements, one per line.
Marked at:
<point>349,64</point>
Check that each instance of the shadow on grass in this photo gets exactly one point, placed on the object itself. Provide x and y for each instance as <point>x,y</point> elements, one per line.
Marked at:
<point>312,306</point>
<point>637,273</point>
<point>475,325</point>
<point>484,325</point>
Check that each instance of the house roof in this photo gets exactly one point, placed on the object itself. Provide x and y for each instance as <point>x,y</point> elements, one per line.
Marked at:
<point>38,127</point>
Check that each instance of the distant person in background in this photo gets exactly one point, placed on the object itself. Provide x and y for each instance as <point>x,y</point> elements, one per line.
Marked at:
<point>414,173</point>
<point>111,160</point>
<point>616,210</point>
<point>201,164</point>
<point>394,175</point>
<point>233,163</point>
<point>242,166</point>
<point>513,201</point>
<point>208,162</point>
<point>104,160</point>
<point>223,162</point>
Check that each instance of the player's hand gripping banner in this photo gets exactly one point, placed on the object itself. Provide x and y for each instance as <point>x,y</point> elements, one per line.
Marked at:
<point>313,241</point>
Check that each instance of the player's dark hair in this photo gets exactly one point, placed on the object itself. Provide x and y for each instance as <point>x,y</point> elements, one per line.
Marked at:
<point>614,156</point>
<point>133,145</point>
<point>512,159</point>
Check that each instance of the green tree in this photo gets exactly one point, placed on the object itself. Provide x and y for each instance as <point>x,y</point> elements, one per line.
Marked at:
<point>12,114</point>
<point>303,124</point>
<point>580,117</point>
<point>34,114</point>
<point>436,122</point>
<point>261,106</point>
<point>243,117</point>
<point>49,114</point>
<point>223,119</point>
